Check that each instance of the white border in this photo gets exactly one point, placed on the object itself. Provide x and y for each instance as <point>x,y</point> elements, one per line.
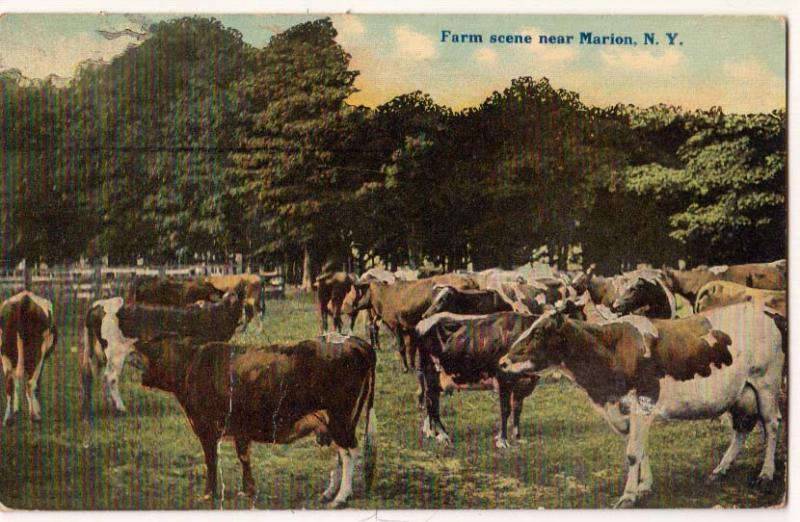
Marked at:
<point>788,8</point>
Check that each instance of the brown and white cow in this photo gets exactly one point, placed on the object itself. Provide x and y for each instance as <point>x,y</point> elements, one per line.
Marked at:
<point>112,327</point>
<point>723,293</point>
<point>636,370</point>
<point>332,288</point>
<point>273,394</point>
<point>27,336</point>
<point>465,349</point>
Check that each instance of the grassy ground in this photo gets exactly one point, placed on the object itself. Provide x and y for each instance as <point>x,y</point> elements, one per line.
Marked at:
<point>151,460</point>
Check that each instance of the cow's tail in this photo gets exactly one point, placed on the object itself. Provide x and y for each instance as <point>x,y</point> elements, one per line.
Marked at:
<point>370,432</point>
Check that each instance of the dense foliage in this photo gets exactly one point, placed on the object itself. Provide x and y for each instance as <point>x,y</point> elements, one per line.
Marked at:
<point>194,144</point>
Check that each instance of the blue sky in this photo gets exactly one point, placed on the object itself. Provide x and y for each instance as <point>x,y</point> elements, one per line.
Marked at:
<point>737,63</point>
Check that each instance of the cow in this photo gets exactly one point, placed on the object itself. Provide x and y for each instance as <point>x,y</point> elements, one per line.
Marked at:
<point>332,288</point>
<point>170,292</point>
<point>274,394</point>
<point>723,293</point>
<point>349,305</point>
<point>466,349</point>
<point>253,292</point>
<point>635,370</point>
<point>764,276</point>
<point>400,306</point>
<point>646,295</point>
<point>449,299</point>
<point>112,327</point>
<point>27,336</point>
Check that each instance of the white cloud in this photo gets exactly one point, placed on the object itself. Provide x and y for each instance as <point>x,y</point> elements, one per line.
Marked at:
<point>637,59</point>
<point>40,52</point>
<point>550,53</point>
<point>486,55</point>
<point>413,45</point>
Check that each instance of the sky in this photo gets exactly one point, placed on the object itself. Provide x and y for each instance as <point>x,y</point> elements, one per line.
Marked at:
<point>737,63</point>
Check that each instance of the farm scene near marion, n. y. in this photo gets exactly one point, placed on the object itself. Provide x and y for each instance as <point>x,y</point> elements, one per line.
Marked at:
<point>392,262</point>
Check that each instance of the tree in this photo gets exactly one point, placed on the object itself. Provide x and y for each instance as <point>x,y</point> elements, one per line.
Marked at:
<point>294,119</point>
<point>728,191</point>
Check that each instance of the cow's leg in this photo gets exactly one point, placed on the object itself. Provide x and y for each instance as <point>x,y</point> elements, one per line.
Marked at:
<point>401,347</point>
<point>501,439</point>
<point>432,425</point>
<point>8,418</point>
<point>645,477</point>
<point>32,389</point>
<point>111,374</point>
<point>336,479</point>
<point>8,378</point>
<point>523,388</point>
<point>771,416</point>
<point>209,442</point>
<point>243,452</point>
<point>635,454</point>
<point>738,439</point>
<point>346,485</point>
<point>337,317</point>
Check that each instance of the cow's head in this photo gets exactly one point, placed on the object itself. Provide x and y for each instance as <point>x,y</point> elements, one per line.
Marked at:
<point>539,347</point>
<point>637,293</point>
<point>164,360</point>
<point>442,298</point>
<point>236,307</point>
<point>361,300</point>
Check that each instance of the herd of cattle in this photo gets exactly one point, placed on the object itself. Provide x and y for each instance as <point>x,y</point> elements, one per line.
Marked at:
<point>617,338</point>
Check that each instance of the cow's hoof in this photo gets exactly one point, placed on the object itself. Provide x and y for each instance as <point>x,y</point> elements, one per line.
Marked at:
<point>337,503</point>
<point>501,443</point>
<point>625,503</point>
<point>443,439</point>
<point>119,412</point>
<point>713,478</point>
<point>763,484</point>
<point>9,421</point>
<point>36,420</point>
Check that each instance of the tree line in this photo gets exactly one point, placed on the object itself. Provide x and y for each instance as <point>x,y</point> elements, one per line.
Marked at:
<point>195,145</point>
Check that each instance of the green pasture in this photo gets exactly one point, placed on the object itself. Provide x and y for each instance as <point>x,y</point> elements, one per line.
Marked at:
<point>150,459</point>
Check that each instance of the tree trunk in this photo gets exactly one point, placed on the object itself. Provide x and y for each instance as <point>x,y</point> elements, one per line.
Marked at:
<point>307,278</point>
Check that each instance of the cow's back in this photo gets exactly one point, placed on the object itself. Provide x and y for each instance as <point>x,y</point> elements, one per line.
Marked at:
<point>756,354</point>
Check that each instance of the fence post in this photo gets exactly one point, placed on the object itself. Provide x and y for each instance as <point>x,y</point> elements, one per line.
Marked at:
<point>97,281</point>
<point>26,275</point>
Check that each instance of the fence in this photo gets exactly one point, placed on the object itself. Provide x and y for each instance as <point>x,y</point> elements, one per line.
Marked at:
<point>102,282</point>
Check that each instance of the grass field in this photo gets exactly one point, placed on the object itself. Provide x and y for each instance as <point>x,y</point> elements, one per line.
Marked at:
<point>150,459</point>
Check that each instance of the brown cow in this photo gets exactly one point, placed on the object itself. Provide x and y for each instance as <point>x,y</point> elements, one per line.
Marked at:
<point>273,394</point>
<point>449,299</point>
<point>765,276</point>
<point>400,306</point>
<point>332,288</point>
<point>170,292</point>
<point>253,291</point>
<point>636,370</point>
<point>27,337</point>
